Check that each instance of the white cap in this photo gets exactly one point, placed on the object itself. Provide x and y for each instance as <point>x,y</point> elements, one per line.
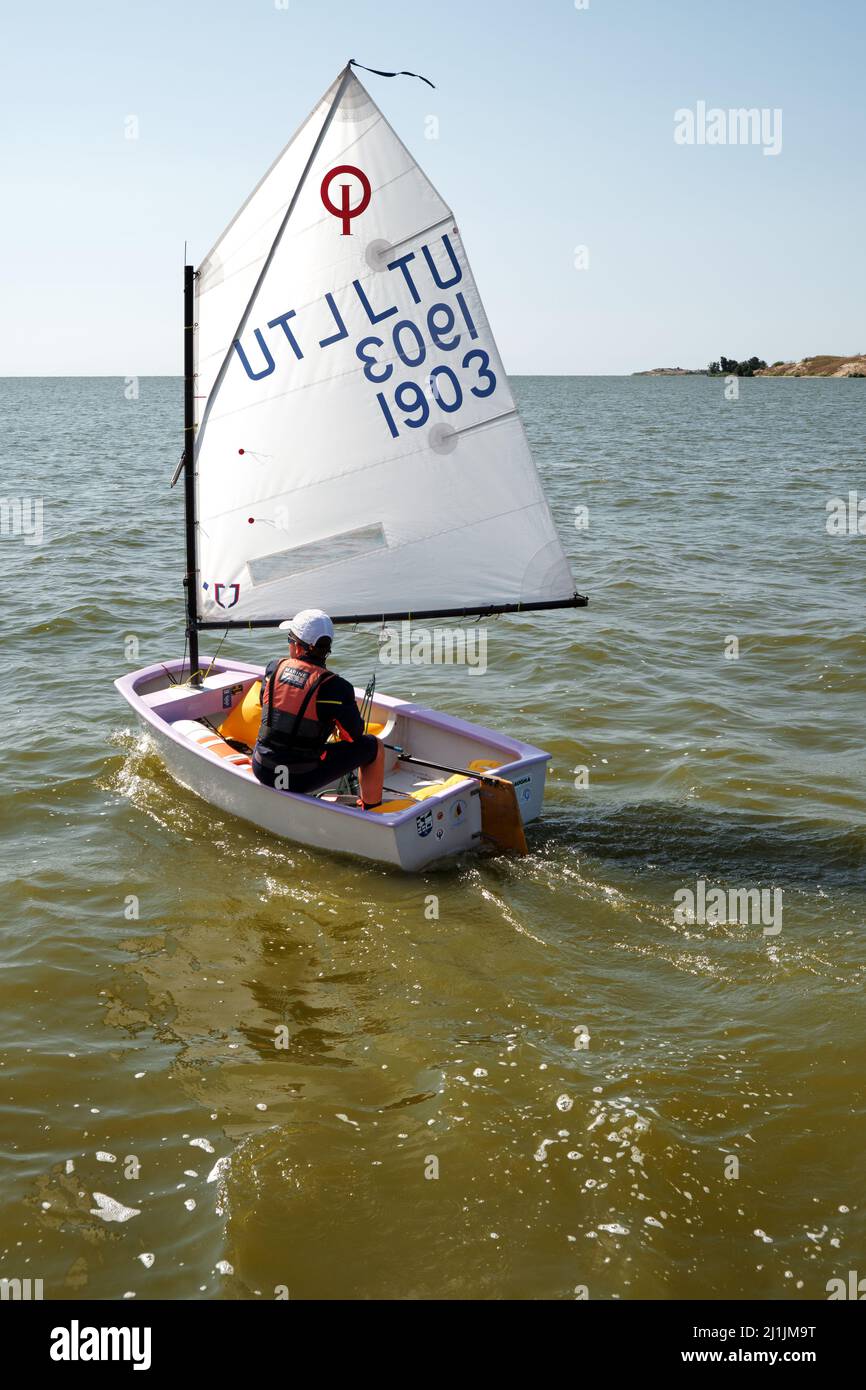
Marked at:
<point>309,626</point>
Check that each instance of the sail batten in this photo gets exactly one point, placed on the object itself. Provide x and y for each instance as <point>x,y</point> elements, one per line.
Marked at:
<point>351,388</point>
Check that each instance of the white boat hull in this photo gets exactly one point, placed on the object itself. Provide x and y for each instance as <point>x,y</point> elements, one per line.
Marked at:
<point>442,824</point>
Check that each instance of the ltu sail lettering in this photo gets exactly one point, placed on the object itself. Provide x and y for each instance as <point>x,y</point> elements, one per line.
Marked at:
<point>324,323</point>
<point>444,328</point>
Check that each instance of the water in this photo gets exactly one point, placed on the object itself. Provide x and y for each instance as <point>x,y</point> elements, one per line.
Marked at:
<point>414,1041</point>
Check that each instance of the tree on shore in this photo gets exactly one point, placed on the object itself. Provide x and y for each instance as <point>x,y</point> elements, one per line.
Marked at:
<point>729,366</point>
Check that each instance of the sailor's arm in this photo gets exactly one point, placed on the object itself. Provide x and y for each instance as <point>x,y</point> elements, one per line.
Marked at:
<point>337,701</point>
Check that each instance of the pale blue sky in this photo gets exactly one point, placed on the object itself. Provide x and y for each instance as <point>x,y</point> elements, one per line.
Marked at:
<point>556,130</point>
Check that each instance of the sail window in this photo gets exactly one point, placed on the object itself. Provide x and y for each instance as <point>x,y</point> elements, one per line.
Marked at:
<point>345,545</point>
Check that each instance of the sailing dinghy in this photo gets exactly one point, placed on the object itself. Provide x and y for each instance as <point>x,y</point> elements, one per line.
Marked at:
<point>351,444</point>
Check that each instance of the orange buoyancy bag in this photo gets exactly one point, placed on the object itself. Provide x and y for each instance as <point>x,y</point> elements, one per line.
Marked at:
<point>291,723</point>
<point>243,720</point>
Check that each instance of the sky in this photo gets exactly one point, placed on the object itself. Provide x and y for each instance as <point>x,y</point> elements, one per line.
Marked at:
<point>556,131</point>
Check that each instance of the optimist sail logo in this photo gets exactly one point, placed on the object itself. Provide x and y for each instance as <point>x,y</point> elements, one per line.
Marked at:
<point>226,595</point>
<point>345,212</point>
<point>77,1343</point>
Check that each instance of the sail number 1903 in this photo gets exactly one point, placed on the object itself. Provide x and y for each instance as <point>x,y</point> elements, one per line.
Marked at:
<point>406,403</point>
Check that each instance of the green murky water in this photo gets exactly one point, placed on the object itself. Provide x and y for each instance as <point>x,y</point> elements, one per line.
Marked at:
<point>138,1056</point>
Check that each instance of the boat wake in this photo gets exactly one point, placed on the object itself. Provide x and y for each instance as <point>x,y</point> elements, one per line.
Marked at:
<point>688,839</point>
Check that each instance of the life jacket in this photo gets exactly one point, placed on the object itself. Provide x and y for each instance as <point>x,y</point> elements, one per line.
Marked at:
<point>291,724</point>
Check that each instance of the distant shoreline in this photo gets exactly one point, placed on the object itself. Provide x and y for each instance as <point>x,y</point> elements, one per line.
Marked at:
<point>808,367</point>
<point>673,371</point>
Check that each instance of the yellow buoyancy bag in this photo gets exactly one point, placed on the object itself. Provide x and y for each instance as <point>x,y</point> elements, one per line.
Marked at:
<point>434,788</point>
<point>242,723</point>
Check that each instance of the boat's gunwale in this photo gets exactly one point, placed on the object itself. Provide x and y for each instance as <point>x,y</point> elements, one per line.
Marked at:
<point>524,754</point>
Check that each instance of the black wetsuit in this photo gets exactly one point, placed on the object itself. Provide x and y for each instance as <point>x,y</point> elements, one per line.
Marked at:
<point>338,709</point>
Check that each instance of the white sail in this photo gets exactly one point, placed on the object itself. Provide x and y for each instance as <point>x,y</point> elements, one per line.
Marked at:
<point>358,448</point>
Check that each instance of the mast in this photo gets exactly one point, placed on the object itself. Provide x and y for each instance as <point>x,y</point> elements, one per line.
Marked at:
<point>191,577</point>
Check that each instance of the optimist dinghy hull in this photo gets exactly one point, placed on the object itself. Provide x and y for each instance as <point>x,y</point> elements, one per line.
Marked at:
<point>437,815</point>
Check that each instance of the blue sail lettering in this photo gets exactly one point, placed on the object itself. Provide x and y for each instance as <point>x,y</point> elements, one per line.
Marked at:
<point>282,321</point>
<point>343,333</point>
<point>458,273</point>
<point>371,313</point>
<point>255,376</point>
<point>403,262</point>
